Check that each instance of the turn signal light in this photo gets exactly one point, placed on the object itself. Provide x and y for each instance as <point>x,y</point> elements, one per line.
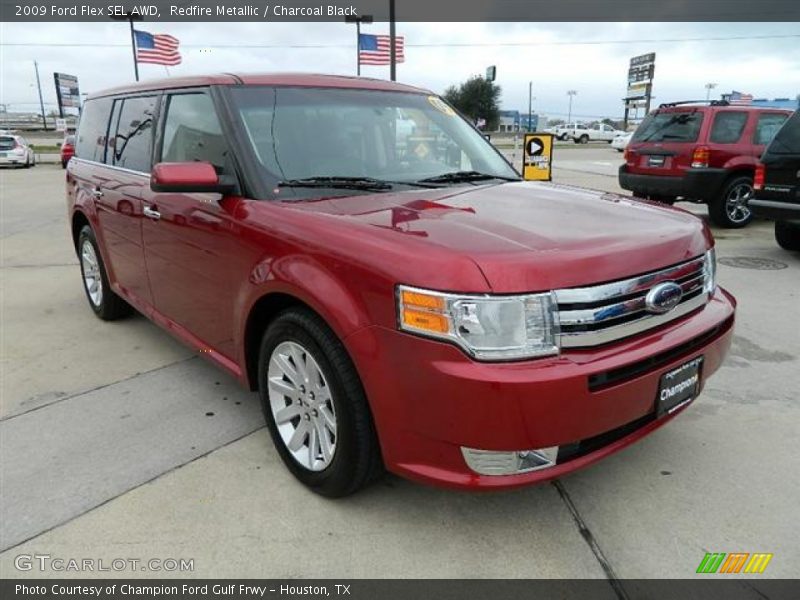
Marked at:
<point>425,321</point>
<point>700,157</point>
<point>759,177</point>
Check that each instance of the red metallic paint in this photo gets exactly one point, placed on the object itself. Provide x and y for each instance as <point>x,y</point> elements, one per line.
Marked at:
<point>199,270</point>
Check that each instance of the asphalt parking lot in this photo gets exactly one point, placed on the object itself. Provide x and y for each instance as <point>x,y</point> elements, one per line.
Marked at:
<point>118,442</point>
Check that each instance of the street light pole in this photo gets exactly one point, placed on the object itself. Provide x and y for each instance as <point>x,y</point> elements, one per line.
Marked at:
<point>358,21</point>
<point>570,93</point>
<point>709,87</point>
<point>530,105</point>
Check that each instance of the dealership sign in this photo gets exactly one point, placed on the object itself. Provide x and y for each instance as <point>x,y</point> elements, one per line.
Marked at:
<point>67,91</point>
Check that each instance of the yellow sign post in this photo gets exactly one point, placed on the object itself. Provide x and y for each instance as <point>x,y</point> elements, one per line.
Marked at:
<point>537,158</point>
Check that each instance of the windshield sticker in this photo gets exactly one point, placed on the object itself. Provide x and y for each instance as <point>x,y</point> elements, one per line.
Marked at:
<point>441,106</point>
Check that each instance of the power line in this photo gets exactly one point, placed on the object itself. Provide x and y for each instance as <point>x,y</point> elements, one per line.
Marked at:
<point>422,45</point>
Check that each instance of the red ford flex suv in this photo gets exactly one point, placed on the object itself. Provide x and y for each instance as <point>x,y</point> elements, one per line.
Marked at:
<point>702,152</point>
<point>358,253</point>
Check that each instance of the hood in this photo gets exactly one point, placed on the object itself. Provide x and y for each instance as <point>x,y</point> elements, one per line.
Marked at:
<point>529,236</point>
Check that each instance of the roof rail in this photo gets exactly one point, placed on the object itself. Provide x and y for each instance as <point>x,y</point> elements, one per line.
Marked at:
<point>709,102</point>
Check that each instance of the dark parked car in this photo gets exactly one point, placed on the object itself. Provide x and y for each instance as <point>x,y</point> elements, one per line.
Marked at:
<point>777,184</point>
<point>702,152</point>
<point>398,296</point>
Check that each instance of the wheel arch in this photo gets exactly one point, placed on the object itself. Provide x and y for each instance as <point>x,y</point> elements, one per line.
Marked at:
<point>79,220</point>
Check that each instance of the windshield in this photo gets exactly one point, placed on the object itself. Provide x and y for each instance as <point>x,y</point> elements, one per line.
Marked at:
<point>669,127</point>
<point>400,138</point>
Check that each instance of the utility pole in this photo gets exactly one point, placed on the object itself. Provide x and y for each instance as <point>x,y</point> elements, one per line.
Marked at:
<point>709,87</point>
<point>570,93</point>
<point>41,100</point>
<point>358,21</point>
<point>530,106</point>
<point>392,38</point>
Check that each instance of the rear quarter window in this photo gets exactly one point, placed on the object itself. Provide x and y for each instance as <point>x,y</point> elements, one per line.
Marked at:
<point>768,125</point>
<point>728,127</point>
<point>669,127</point>
<point>92,129</point>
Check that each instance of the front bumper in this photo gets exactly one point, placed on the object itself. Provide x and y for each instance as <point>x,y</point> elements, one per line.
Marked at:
<point>695,184</point>
<point>429,400</point>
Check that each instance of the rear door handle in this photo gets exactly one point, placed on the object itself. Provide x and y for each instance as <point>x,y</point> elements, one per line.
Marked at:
<point>153,214</point>
<point>97,193</point>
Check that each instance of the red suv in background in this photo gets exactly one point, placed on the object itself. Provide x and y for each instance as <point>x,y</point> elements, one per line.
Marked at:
<point>362,256</point>
<point>701,152</point>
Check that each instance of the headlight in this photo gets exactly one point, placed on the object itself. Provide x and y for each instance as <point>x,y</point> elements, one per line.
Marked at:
<point>710,272</point>
<point>486,327</point>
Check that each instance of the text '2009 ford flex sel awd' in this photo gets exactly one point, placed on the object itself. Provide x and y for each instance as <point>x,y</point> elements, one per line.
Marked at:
<point>358,253</point>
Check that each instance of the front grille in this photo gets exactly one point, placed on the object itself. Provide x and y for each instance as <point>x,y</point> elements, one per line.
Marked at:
<point>591,316</point>
<point>601,381</point>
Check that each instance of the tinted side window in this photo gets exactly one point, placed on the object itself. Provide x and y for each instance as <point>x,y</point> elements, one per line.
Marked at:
<point>728,127</point>
<point>192,131</point>
<point>768,125</point>
<point>787,140</point>
<point>92,130</point>
<point>135,134</point>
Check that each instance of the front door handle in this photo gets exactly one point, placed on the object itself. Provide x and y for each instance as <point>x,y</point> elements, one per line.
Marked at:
<point>153,214</point>
<point>97,193</point>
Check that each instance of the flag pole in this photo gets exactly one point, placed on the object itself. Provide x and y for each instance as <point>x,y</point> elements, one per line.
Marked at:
<point>392,37</point>
<point>133,47</point>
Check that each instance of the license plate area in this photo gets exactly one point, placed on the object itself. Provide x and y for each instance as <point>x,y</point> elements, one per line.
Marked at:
<point>679,386</point>
<point>654,160</point>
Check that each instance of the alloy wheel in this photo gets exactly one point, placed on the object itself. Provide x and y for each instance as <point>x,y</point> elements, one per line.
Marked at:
<point>92,279</point>
<point>302,406</point>
<point>736,204</point>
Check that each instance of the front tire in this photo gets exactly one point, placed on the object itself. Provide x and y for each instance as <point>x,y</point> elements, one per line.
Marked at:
<point>584,139</point>
<point>730,208</point>
<point>102,300</point>
<point>315,406</point>
<point>787,235</point>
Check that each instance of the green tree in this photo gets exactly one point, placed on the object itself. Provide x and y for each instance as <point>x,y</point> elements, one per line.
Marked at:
<point>477,98</point>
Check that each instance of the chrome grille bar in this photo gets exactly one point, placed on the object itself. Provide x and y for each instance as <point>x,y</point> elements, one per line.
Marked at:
<point>591,316</point>
<point>599,293</point>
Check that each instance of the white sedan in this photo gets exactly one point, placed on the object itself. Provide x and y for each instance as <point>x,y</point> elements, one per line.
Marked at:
<point>621,141</point>
<point>15,151</point>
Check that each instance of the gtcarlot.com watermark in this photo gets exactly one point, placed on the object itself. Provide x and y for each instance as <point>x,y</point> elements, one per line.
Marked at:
<point>46,562</point>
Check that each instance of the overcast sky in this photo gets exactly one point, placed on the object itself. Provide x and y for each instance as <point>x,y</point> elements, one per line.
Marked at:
<point>567,57</point>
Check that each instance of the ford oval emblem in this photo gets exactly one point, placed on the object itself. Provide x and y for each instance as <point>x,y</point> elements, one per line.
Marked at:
<point>663,298</point>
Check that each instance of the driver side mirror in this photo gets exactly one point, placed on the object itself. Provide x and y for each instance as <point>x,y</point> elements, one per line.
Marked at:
<point>188,177</point>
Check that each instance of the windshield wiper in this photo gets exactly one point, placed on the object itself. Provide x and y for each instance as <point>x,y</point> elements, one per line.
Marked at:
<point>461,176</point>
<point>355,183</point>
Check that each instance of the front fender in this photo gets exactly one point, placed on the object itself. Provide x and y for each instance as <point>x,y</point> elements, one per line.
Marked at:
<point>312,283</point>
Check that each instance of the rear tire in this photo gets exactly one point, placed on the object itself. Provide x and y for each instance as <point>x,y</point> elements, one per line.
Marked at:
<point>584,139</point>
<point>730,208</point>
<point>102,300</point>
<point>309,388</point>
<point>787,235</point>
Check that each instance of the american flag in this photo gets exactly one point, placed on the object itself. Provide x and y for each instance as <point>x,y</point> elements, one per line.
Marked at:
<point>157,48</point>
<point>740,99</point>
<point>375,49</point>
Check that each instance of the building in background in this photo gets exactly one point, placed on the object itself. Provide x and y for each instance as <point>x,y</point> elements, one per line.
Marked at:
<point>512,121</point>
<point>743,99</point>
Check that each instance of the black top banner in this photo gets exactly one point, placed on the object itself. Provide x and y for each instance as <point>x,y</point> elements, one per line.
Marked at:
<point>406,10</point>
